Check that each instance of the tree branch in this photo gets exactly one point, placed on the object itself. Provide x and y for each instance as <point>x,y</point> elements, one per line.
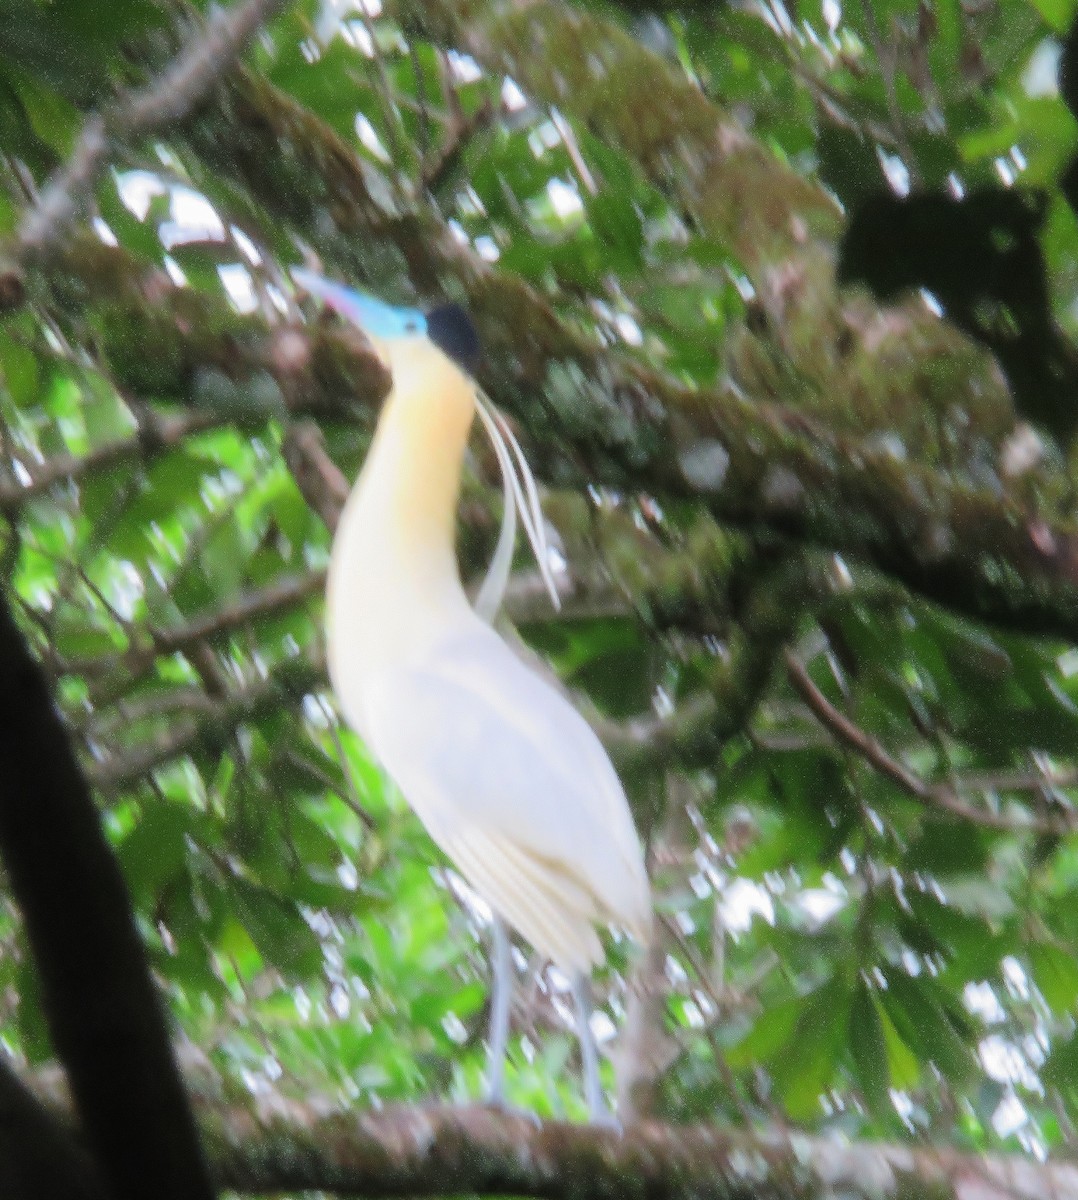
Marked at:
<point>751,461</point>
<point>283,1144</point>
<point>644,1049</point>
<point>41,1157</point>
<point>157,434</point>
<point>202,62</point>
<point>283,593</point>
<point>940,796</point>
<point>437,1151</point>
<point>213,723</point>
<point>206,355</point>
<point>103,1012</point>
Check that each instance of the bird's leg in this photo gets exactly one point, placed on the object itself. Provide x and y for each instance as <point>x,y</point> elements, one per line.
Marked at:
<point>589,1054</point>
<point>501,993</point>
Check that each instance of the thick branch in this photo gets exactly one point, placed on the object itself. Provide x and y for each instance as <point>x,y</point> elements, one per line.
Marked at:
<point>40,1155</point>
<point>600,416</point>
<point>846,360</point>
<point>764,464</point>
<point>99,1000</point>
<point>969,549</point>
<point>286,1145</point>
<point>442,1151</point>
<point>204,353</point>
<point>646,106</point>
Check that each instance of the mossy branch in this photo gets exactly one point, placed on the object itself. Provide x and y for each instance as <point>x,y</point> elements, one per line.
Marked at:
<point>437,1151</point>
<point>280,1144</point>
<point>855,365</point>
<point>593,415</point>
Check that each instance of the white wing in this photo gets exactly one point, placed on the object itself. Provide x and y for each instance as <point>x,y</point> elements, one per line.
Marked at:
<point>516,788</point>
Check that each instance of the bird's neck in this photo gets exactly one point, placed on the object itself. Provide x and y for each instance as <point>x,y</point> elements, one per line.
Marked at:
<point>394,584</point>
<point>410,483</point>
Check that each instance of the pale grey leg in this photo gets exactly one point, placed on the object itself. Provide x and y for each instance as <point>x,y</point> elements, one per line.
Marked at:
<point>501,995</point>
<point>589,1054</point>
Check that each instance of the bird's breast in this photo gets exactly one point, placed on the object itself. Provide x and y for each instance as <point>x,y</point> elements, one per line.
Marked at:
<point>392,592</point>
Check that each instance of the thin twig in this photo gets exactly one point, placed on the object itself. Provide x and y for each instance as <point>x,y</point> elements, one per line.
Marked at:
<point>60,468</point>
<point>1015,781</point>
<point>940,796</point>
<point>167,99</point>
<point>288,683</point>
<point>460,132</point>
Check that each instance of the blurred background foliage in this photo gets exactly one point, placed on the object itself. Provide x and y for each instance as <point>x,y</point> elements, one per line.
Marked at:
<point>838,950</point>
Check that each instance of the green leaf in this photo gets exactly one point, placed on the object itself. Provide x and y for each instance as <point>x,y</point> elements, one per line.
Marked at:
<point>926,1025</point>
<point>278,929</point>
<point>974,946</point>
<point>805,1068</point>
<point>154,853</point>
<point>869,1048</point>
<point>55,121</point>
<point>1055,972</point>
<point>903,1066</point>
<point>20,370</point>
<point>1061,1067</point>
<point>1056,13</point>
<point>938,851</point>
<point>772,1030</point>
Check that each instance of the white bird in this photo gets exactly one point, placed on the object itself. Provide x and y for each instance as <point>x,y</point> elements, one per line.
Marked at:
<point>509,780</point>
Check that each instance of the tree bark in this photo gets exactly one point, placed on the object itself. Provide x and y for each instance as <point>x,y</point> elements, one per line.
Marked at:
<point>99,1000</point>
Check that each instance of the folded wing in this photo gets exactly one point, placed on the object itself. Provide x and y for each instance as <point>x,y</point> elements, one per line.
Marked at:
<point>516,788</point>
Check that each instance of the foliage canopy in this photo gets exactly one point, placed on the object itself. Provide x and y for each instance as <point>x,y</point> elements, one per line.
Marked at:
<point>820,593</point>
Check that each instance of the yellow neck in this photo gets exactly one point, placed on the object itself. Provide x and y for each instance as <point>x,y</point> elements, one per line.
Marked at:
<point>410,483</point>
<point>394,583</point>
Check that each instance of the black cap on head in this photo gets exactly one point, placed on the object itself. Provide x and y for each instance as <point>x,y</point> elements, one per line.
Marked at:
<point>450,328</point>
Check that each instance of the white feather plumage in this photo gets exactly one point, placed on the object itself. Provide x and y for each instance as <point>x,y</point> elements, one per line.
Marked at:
<point>507,777</point>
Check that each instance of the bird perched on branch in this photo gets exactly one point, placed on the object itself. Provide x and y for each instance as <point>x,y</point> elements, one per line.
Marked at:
<point>507,777</point>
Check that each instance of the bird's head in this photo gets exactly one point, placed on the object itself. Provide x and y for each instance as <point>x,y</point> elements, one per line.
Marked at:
<point>398,333</point>
<point>413,344</point>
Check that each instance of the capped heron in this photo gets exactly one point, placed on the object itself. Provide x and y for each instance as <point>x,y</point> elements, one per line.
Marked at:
<point>507,777</point>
